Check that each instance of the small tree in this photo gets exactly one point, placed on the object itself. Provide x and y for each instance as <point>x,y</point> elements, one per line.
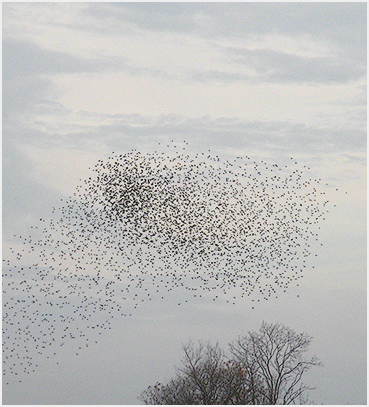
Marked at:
<point>264,367</point>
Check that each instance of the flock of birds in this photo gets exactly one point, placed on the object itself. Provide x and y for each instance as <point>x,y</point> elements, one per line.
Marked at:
<point>146,224</point>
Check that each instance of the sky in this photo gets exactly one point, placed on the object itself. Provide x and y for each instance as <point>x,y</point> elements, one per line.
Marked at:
<point>266,80</point>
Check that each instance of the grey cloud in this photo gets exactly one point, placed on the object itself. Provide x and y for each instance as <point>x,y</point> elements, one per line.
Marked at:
<point>21,94</point>
<point>27,71</point>
<point>238,18</point>
<point>277,66</point>
<point>23,197</point>
<point>150,16</point>
<point>34,94</point>
<point>341,26</point>
<point>28,59</point>
<point>26,75</point>
<point>339,22</point>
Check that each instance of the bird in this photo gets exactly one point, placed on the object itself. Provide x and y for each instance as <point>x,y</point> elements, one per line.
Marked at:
<point>145,224</point>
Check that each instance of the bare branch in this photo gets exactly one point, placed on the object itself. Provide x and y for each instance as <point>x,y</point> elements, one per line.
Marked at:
<point>265,367</point>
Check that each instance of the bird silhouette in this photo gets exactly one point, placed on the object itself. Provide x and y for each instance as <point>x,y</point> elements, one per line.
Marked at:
<point>142,225</point>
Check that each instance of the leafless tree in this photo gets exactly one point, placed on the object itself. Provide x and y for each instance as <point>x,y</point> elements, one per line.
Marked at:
<point>217,379</point>
<point>206,376</point>
<point>276,354</point>
<point>264,367</point>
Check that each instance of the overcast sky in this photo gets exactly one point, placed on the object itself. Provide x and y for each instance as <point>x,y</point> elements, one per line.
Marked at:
<point>267,80</point>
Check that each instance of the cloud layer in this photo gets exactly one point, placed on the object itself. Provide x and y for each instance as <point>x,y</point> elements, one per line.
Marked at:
<point>266,80</point>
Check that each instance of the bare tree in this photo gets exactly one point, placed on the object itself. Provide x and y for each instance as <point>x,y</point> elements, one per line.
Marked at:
<point>264,367</point>
<point>206,376</point>
<point>217,379</point>
<point>275,355</point>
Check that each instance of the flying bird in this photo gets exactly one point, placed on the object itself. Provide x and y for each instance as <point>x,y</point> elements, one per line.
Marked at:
<point>146,224</point>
